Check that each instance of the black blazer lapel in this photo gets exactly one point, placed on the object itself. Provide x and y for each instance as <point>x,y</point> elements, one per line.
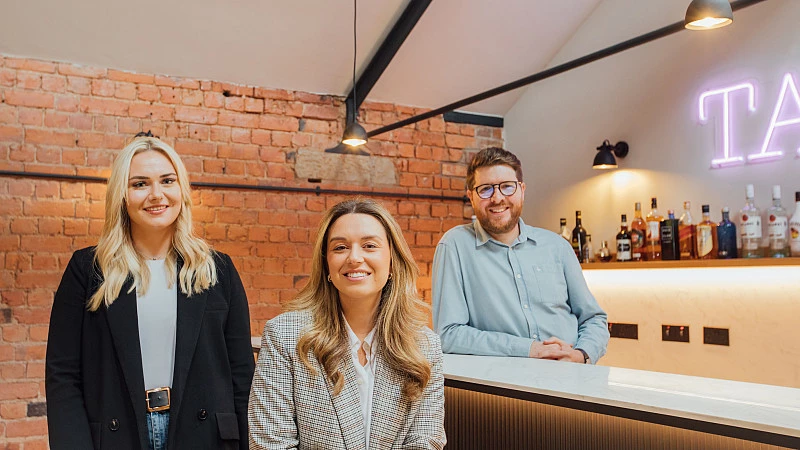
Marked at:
<point>124,325</point>
<point>190,320</point>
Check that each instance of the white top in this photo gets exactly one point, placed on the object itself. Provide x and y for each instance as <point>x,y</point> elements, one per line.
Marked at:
<point>158,314</point>
<point>773,409</point>
<point>364,374</point>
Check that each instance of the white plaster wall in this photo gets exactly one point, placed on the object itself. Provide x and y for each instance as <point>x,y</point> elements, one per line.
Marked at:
<point>648,97</point>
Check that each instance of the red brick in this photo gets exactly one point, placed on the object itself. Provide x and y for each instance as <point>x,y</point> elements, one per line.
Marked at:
<point>79,85</point>
<point>271,154</point>
<point>274,94</point>
<point>73,156</point>
<point>54,119</point>
<point>103,88</point>
<point>23,153</point>
<point>236,119</point>
<point>47,208</point>
<point>129,125</point>
<point>261,137</point>
<point>280,139</point>
<point>63,139</point>
<point>104,106</point>
<point>253,105</point>
<point>14,333</point>
<point>125,91</point>
<point>456,141</point>
<point>8,114</point>
<point>81,71</point>
<point>31,116</point>
<point>234,103</point>
<point>13,134</point>
<point>147,93</point>
<point>433,139</point>
<point>18,391</point>
<point>326,112</point>
<point>192,98</point>
<point>14,410</point>
<point>32,99</point>
<point>187,147</point>
<point>213,99</point>
<point>130,77</point>
<point>48,155</point>
<point>8,77</point>
<point>170,95</point>
<point>240,135</point>
<point>67,103</point>
<point>458,170</point>
<point>29,80</point>
<point>29,427</point>
<point>154,112</point>
<point>195,115</point>
<point>30,64</point>
<point>278,123</point>
<point>426,167</point>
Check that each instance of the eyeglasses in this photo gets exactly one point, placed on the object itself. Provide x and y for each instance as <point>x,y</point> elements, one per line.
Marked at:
<point>507,188</point>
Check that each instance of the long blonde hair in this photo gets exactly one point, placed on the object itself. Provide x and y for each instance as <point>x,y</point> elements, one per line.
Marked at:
<point>400,318</point>
<point>116,256</point>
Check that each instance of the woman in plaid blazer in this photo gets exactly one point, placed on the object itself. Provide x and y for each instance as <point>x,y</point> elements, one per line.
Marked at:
<point>351,365</point>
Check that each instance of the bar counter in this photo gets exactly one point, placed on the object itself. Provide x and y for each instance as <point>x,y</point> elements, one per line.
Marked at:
<point>495,402</point>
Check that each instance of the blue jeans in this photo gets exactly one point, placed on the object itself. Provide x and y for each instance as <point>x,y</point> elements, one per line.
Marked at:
<point>157,425</point>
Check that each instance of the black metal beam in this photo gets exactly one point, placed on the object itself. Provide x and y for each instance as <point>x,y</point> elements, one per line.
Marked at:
<point>380,61</point>
<point>575,63</point>
<point>473,119</point>
<point>248,187</point>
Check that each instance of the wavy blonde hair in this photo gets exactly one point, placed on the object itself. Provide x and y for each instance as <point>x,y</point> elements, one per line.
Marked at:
<point>401,316</point>
<point>116,256</point>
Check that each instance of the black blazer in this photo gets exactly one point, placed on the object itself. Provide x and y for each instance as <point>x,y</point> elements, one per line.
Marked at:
<point>94,377</point>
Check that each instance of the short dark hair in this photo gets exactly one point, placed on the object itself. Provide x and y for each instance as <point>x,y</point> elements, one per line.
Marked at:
<point>492,156</point>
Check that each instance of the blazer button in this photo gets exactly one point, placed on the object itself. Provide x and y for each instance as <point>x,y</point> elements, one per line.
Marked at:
<point>202,414</point>
<point>113,425</point>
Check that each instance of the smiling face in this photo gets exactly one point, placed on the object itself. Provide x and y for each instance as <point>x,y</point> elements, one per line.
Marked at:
<point>154,194</point>
<point>498,214</point>
<point>359,258</point>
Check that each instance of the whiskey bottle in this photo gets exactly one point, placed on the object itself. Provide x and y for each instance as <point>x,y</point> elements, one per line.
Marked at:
<point>726,236</point>
<point>624,241</point>
<point>670,240</point>
<point>638,233</point>
<point>750,226</point>
<point>794,227</point>
<point>653,238</point>
<point>686,231</point>
<point>578,237</point>
<point>706,236</point>
<point>777,226</point>
<point>565,233</point>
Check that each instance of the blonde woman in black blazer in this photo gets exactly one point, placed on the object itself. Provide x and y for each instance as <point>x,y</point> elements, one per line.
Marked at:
<point>96,369</point>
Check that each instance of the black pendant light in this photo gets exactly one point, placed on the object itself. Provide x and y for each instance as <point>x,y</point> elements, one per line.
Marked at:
<point>605,154</point>
<point>708,14</point>
<point>354,133</point>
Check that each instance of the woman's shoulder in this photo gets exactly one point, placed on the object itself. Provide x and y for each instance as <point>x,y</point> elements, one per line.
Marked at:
<point>430,344</point>
<point>288,325</point>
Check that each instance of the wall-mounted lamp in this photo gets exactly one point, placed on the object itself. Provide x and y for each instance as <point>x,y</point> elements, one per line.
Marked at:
<point>708,14</point>
<point>605,154</point>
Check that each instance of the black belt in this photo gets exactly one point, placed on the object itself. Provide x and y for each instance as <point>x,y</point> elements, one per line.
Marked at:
<point>157,399</point>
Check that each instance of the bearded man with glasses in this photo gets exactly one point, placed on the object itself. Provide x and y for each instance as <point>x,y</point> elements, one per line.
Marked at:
<point>504,288</point>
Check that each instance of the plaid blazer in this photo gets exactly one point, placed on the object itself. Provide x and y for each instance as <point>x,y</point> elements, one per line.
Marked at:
<point>291,408</point>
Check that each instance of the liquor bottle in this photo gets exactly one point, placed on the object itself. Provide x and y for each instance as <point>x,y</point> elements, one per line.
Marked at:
<point>565,233</point>
<point>794,227</point>
<point>653,237</point>
<point>726,236</point>
<point>777,226</point>
<point>638,233</point>
<point>686,231</point>
<point>588,250</point>
<point>750,226</point>
<point>670,241</point>
<point>578,237</point>
<point>706,236</point>
<point>605,253</point>
<point>623,241</point>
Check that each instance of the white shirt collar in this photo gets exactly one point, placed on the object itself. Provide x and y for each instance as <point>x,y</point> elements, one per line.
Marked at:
<point>355,342</point>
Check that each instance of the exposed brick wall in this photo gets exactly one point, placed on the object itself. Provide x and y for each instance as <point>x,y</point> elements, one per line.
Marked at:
<point>69,119</point>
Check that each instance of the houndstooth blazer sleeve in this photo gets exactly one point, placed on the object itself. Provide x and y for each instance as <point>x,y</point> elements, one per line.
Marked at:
<point>426,426</point>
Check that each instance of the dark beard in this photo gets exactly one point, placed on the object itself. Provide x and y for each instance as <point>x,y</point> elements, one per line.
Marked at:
<point>498,229</point>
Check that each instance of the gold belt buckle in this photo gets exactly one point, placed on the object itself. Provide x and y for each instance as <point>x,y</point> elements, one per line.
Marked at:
<point>154,391</point>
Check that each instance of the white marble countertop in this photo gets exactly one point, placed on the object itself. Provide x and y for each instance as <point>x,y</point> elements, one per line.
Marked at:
<point>772,409</point>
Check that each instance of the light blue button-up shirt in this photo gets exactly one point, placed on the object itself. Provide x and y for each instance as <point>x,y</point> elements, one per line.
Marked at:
<point>490,298</point>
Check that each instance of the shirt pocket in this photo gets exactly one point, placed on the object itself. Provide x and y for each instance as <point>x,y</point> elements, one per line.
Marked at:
<point>551,283</point>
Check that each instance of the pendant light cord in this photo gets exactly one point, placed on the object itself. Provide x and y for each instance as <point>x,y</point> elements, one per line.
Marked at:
<point>355,49</point>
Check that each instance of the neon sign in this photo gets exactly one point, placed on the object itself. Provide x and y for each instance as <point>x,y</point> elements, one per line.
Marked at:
<point>779,119</point>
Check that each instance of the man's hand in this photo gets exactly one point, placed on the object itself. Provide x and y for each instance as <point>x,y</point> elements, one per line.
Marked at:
<point>564,351</point>
<point>549,350</point>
